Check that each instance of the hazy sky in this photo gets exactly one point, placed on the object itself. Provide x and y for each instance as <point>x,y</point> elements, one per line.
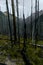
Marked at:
<point>27,6</point>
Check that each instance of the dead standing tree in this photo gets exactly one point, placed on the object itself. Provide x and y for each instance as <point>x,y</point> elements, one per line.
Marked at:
<point>31,16</point>
<point>38,9</point>
<point>9,21</point>
<point>23,52</point>
<point>18,20</point>
<point>38,18</point>
<point>39,21</point>
<point>14,22</point>
<point>36,21</point>
<point>24,32</point>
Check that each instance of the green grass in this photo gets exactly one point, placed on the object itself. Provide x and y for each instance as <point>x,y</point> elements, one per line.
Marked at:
<point>33,54</point>
<point>40,42</point>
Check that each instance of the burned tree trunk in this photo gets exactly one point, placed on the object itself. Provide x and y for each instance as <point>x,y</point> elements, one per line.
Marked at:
<point>18,20</point>
<point>36,21</point>
<point>14,22</point>
<point>24,31</point>
<point>31,18</point>
<point>38,9</point>
<point>23,52</point>
<point>9,21</point>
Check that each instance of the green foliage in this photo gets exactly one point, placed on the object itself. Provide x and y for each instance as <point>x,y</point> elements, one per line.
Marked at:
<point>34,54</point>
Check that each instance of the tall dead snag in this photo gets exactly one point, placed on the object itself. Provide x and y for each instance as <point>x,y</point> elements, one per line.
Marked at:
<point>31,18</point>
<point>24,32</point>
<point>18,20</point>
<point>23,52</point>
<point>39,21</point>
<point>9,21</point>
<point>36,22</point>
<point>38,9</point>
<point>14,22</point>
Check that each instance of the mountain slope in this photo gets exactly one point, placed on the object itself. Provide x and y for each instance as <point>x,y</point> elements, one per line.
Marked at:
<point>39,21</point>
<point>4,24</point>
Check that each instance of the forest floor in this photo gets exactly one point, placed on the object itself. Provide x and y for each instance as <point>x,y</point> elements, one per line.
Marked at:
<point>34,54</point>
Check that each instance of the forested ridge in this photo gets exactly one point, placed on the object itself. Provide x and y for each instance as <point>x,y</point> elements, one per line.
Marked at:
<point>5,28</point>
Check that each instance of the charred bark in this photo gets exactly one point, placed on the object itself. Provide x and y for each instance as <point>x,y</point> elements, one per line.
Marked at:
<point>23,52</point>
<point>31,18</point>
<point>9,21</point>
<point>18,20</point>
<point>36,20</point>
<point>14,22</point>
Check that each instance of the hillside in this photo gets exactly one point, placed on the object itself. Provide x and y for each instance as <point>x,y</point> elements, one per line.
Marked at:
<point>4,24</point>
<point>40,23</point>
